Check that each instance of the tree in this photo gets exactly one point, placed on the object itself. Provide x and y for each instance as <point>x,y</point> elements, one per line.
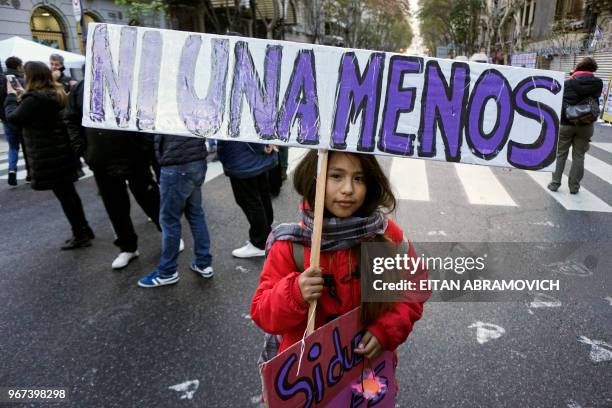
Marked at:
<point>453,22</point>
<point>372,24</point>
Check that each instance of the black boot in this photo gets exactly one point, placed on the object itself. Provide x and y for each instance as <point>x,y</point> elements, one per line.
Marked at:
<point>12,178</point>
<point>82,239</point>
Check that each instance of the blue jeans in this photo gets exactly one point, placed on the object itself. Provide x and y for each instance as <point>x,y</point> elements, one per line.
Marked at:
<point>12,138</point>
<point>180,192</point>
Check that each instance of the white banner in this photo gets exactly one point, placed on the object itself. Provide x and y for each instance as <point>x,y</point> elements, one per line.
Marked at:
<point>306,95</point>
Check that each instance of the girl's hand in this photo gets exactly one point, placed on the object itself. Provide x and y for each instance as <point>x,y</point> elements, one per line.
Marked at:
<point>310,283</point>
<point>369,346</point>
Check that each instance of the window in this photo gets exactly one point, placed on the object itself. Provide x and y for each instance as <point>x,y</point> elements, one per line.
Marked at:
<point>47,29</point>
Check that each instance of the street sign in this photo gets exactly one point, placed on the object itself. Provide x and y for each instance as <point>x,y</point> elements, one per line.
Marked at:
<point>76,6</point>
<point>313,96</point>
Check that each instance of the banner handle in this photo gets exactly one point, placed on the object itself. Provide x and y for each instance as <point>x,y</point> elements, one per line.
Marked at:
<point>315,249</point>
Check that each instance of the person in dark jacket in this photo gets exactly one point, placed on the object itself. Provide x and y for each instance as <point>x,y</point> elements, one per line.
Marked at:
<point>14,138</point>
<point>183,171</point>
<point>116,158</point>
<point>581,85</point>
<point>56,63</point>
<point>247,165</point>
<point>52,162</point>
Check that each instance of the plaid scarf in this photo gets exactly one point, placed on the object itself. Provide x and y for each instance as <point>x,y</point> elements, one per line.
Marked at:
<point>338,233</point>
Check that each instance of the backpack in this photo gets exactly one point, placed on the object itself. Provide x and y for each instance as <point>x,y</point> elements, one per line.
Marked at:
<point>583,113</point>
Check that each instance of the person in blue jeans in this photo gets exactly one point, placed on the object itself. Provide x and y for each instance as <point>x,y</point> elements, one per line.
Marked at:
<point>14,66</point>
<point>183,170</point>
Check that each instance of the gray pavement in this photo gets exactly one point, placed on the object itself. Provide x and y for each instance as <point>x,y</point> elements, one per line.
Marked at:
<point>68,320</point>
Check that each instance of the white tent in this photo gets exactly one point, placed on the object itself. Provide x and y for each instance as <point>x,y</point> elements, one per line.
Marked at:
<point>33,51</point>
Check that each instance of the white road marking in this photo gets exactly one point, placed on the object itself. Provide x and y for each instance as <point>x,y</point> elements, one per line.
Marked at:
<point>570,268</point>
<point>544,223</point>
<point>583,201</point>
<point>295,155</point>
<point>609,299</point>
<point>572,404</point>
<point>521,355</point>
<point>213,170</point>
<point>4,166</point>
<point>187,389</point>
<point>603,146</point>
<point>598,167</point>
<point>487,331</point>
<point>600,350</point>
<point>408,179</point>
<point>481,186</point>
<point>544,300</point>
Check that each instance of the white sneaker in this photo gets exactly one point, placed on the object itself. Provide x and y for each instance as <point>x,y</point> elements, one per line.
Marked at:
<point>205,273</point>
<point>123,259</point>
<point>181,245</point>
<point>248,251</point>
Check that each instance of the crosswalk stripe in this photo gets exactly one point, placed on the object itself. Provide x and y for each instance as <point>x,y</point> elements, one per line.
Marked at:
<point>583,201</point>
<point>5,165</point>
<point>603,146</point>
<point>408,178</point>
<point>295,156</point>
<point>598,167</point>
<point>214,169</point>
<point>481,186</point>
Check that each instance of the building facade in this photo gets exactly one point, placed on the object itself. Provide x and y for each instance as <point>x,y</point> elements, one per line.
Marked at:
<point>52,22</point>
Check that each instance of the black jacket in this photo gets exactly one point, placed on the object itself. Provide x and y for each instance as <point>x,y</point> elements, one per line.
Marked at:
<point>173,150</point>
<point>19,76</point>
<point>579,88</point>
<point>115,152</point>
<point>50,157</point>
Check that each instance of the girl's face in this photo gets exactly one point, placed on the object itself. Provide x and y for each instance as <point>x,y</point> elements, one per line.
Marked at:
<point>346,188</point>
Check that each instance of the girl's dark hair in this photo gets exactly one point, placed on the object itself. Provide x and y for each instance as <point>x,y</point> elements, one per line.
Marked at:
<point>587,64</point>
<point>38,78</point>
<point>378,194</point>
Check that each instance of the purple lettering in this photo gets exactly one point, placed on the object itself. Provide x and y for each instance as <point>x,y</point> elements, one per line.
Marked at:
<point>301,101</point>
<point>286,390</point>
<point>202,116</point>
<point>103,75</point>
<point>148,80</point>
<point>358,95</point>
<point>491,85</point>
<point>442,105</point>
<point>542,152</point>
<point>398,100</point>
<point>263,102</point>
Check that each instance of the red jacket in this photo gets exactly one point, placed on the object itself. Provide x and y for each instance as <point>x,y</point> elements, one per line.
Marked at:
<point>279,308</point>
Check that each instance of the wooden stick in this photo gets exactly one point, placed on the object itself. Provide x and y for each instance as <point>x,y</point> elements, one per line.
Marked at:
<point>315,249</point>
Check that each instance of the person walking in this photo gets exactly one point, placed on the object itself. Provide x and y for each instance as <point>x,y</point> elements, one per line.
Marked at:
<point>118,159</point>
<point>581,85</point>
<point>38,111</point>
<point>247,165</point>
<point>14,138</point>
<point>183,171</point>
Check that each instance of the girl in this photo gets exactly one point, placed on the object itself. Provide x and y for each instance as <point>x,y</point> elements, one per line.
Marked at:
<point>53,166</point>
<point>356,198</point>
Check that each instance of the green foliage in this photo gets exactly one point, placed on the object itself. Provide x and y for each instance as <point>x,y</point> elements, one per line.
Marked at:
<point>138,8</point>
<point>452,22</point>
<point>371,24</point>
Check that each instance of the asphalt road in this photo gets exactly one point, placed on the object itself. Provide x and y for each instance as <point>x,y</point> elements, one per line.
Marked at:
<point>68,320</point>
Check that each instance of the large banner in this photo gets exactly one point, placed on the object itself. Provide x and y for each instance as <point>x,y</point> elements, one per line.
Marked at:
<point>330,373</point>
<point>307,95</point>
